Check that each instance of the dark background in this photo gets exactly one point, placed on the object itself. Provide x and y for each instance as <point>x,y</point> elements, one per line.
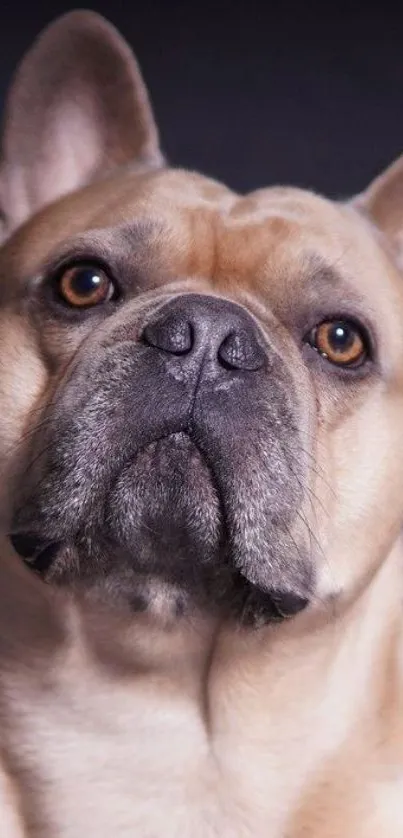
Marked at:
<point>255,93</point>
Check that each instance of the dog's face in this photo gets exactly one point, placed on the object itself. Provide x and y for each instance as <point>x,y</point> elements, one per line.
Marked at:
<point>202,394</point>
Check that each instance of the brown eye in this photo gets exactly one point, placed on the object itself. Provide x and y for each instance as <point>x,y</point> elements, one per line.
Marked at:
<point>341,342</point>
<point>82,286</point>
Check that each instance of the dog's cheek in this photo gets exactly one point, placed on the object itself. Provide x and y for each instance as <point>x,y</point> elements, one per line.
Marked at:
<point>22,380</point>
<point>365,473</point>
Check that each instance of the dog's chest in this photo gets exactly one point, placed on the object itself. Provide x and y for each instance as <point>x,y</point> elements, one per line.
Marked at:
<point>143,768</point>
<point>142,765</point>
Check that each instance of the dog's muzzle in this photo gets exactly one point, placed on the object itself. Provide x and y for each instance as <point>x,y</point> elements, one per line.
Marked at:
<point>175,459</point>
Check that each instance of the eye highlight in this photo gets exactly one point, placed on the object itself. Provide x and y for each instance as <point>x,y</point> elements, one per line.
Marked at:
<point>341,342</point>
<point>84,285</point>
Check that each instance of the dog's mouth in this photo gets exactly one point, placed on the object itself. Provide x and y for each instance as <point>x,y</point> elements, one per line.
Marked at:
<point>163,532</point>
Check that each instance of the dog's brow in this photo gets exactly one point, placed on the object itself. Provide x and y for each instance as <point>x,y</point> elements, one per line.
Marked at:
<point>140,230</point>
<point>324,277</point>
<point>104,242</point>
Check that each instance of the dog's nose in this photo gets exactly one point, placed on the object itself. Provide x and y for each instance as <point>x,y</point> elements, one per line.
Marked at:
<point>196,324</point>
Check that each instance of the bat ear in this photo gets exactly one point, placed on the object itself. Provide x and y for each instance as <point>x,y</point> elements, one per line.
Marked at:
<point>382,203</point>
<point>77,108</point>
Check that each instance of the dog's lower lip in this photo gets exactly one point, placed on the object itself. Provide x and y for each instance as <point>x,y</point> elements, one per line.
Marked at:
<point>37,555</point>
<point>287,604</point>
<point>26,545</point>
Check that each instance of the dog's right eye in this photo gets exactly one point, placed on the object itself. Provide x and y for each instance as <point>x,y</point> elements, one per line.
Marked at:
<point>84,286</point>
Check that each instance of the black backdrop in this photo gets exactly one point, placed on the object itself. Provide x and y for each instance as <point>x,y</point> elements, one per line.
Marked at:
<point>258,92</point>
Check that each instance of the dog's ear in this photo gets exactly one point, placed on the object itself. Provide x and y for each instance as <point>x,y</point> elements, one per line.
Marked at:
<point>382,203</point>
<point>77,108</point>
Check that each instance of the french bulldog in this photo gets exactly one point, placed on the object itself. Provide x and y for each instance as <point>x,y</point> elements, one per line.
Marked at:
<point>201,452</point>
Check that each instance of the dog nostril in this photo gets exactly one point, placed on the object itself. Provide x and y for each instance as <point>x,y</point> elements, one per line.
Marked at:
<point>173,335</point>
<point>241,351</point>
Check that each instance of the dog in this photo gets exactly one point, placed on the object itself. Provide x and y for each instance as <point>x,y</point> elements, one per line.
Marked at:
<point>201,448</point>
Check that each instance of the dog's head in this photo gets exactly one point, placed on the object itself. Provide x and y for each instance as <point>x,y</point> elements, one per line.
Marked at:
<point>201,393</point>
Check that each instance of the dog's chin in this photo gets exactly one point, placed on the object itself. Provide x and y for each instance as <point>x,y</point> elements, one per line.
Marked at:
<point>164,511</point>
<point>159,542</point>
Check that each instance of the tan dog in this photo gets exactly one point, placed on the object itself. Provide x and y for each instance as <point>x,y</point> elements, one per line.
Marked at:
<point>201,436</point>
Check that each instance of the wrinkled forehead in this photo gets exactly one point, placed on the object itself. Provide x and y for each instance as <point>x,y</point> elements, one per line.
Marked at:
<point>273,243</point>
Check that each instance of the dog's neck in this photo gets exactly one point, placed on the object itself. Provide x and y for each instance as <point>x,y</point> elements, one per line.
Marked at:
<point>245,701</point>
<point>320,670</point>
<point>308,686</point>
<point>353,636</point>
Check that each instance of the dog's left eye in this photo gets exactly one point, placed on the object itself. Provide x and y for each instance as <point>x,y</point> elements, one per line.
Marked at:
<point>342,342</point>
<point>85,285</point>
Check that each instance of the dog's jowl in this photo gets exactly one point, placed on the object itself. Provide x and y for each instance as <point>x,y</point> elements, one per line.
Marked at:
<point>201,457</point>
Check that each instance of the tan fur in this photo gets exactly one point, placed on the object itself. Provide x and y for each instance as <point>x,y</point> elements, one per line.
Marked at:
<point>148,727</point>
